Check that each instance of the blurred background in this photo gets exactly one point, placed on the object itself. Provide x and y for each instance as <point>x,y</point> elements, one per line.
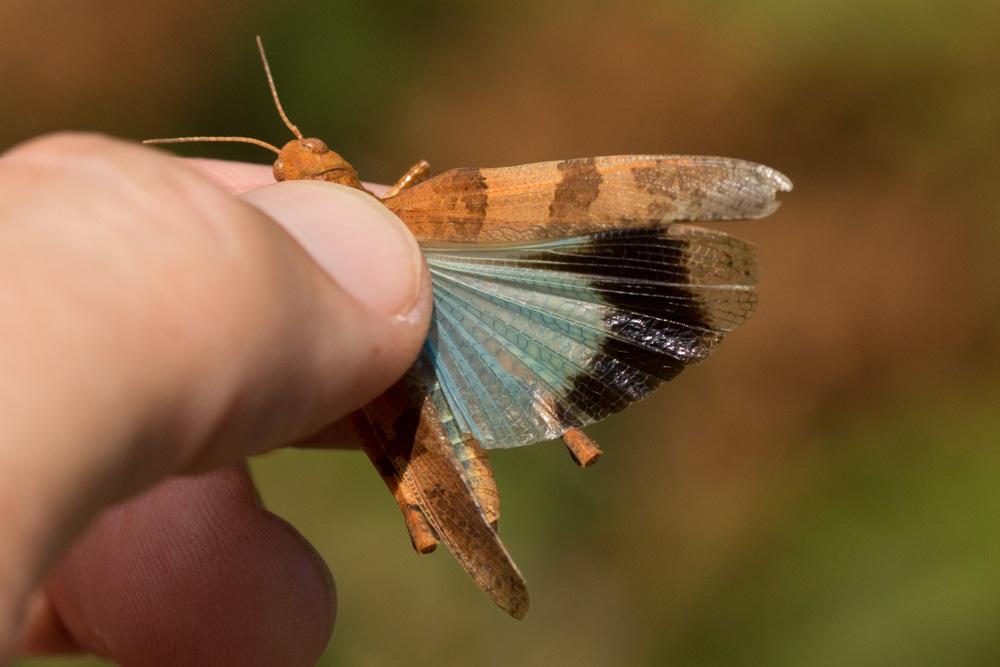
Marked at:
<point>824,490</point>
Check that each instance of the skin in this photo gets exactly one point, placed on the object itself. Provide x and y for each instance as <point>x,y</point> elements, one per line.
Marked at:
<point>160,321</point>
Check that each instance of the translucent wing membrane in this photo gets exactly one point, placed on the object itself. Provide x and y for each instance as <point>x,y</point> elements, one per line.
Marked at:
<point>472,462</point>
<point>531,339</point>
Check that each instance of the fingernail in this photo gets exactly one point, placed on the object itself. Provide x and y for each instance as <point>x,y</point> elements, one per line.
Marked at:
<point>358,241</point>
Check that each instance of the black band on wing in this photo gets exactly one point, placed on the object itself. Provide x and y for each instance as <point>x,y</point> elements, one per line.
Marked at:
<point>641,275</point>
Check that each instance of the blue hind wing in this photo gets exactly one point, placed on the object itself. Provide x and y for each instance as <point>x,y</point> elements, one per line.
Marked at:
<point>529,340</point>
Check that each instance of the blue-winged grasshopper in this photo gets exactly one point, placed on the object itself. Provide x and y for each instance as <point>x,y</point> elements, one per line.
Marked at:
<point>563,291</point>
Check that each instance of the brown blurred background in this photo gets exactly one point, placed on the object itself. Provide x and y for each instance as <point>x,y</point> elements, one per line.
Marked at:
<point>823,490</point>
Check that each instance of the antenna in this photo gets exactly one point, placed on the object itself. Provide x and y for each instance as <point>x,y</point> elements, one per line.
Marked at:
<point>244,140</point>
<point>274,91</point>
<point>187,140</point>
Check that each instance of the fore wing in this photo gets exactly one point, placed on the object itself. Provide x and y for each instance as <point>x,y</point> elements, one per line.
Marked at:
<point>549,200</point>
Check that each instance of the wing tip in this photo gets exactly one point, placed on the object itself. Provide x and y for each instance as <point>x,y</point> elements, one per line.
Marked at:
<point>778,181</point>
<point>517,605</point>
<point>775,183</point>
<point>506,587</point>
<point>509,590</point>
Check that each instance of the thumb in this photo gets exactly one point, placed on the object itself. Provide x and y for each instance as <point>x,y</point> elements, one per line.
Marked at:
<point>353,237</point>
<point>152,324</point>
<point>366,322</point>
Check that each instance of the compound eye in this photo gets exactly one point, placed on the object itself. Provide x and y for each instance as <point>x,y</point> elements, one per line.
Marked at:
<point>316,145</point>
<point>279,169</point>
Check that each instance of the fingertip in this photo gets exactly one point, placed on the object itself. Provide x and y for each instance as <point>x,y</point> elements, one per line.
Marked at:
<point>359,242</point>
<point>195,572</point>
<point>234,177</point>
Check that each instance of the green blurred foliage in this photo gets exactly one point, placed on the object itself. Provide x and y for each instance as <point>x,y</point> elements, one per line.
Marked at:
<point>888,559</point>
<point>820,492</point>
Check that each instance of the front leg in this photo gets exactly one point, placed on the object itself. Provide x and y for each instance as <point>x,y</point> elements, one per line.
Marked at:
<point>413,175</point>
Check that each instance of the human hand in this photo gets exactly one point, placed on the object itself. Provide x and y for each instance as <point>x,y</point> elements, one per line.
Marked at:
<point>153,325</point>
